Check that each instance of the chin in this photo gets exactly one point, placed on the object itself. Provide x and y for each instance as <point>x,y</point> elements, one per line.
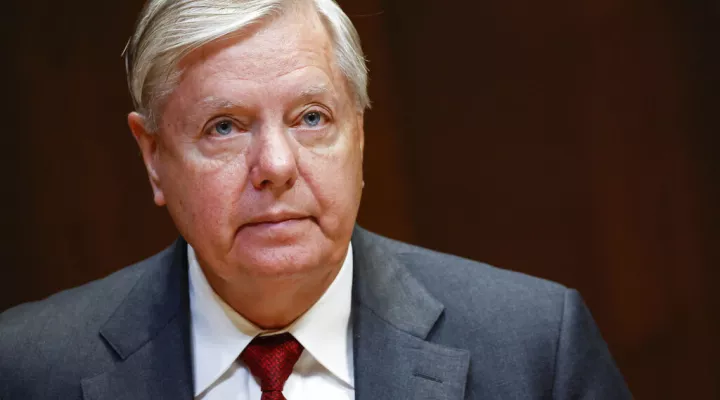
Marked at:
<point>267,258</point>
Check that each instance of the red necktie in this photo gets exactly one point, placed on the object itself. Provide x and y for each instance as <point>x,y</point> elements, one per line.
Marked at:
<point>271,360</point>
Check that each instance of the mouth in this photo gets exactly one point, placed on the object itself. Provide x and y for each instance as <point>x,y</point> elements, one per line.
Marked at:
<point>277,219</point>
<point>276,229</point>
<point>274,223</point>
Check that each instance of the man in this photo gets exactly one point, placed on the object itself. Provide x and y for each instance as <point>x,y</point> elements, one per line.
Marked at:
<point>249,117</point>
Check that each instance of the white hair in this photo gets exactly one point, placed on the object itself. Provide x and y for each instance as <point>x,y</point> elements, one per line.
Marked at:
<point>168,30</point>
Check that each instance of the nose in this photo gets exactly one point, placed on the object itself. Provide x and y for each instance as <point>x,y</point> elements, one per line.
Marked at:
<point>274,165</point>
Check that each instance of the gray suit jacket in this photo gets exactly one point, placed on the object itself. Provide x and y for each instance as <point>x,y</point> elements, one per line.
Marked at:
<point>426,326</point>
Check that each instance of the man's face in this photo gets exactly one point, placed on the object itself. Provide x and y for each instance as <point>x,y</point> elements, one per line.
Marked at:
<point>259,152</point>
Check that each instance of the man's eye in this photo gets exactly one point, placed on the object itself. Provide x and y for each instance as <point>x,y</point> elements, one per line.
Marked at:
<point>313,118</point>
<point>224,128</point>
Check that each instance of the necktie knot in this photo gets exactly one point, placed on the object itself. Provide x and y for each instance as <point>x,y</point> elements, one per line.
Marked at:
<point>271,360</point>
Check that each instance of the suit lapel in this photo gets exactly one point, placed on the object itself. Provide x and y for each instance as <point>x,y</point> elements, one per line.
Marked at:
<point>393,314</point>
<point>150,333</point>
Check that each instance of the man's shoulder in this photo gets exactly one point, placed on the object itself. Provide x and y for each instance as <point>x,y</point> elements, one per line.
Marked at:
<point>509,320</point>
<point>532,332</point>
<point>476,294</point>
<point>446,271</point>
<point>79,303</point>
<point>65,325</point>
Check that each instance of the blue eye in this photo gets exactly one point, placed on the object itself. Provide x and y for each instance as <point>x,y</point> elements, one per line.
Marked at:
<point>224,128</point>
<point>313,118</point>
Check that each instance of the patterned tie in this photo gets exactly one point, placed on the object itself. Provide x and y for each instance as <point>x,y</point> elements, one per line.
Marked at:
<point>271,360</point>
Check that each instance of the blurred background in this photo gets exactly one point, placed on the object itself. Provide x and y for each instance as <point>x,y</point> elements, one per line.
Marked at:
<point>571,140</point>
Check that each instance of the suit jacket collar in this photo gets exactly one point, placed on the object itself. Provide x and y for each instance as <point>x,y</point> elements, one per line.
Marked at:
<point>150,332</point>
<point>393,314</point>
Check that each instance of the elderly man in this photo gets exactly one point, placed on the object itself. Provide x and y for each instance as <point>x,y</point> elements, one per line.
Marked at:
<point>249,117</point>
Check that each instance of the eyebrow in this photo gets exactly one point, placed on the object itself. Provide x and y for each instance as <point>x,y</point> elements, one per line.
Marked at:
<point>225,104</point>
<point>215,103</point>
<point>313,91</point>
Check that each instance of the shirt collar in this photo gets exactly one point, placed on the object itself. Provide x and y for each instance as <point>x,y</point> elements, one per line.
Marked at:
<point>220,334</point>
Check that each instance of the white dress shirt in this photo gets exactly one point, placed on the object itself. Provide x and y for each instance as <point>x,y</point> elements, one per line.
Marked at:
<point>220,334</point>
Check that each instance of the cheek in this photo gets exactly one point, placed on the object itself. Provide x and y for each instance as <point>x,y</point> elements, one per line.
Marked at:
<point>335,179</point>
<point>203,194</point>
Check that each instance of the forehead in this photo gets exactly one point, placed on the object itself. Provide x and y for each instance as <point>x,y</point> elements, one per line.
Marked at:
<point>281,46</point>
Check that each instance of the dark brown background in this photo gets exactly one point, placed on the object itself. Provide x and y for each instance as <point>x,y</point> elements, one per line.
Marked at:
<point>572,140</point>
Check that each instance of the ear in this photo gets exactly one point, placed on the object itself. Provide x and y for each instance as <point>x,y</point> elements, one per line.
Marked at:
<point>147,142</point>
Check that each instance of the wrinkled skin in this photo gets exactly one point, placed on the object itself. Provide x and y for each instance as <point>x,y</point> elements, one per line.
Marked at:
<point>258,157</point>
